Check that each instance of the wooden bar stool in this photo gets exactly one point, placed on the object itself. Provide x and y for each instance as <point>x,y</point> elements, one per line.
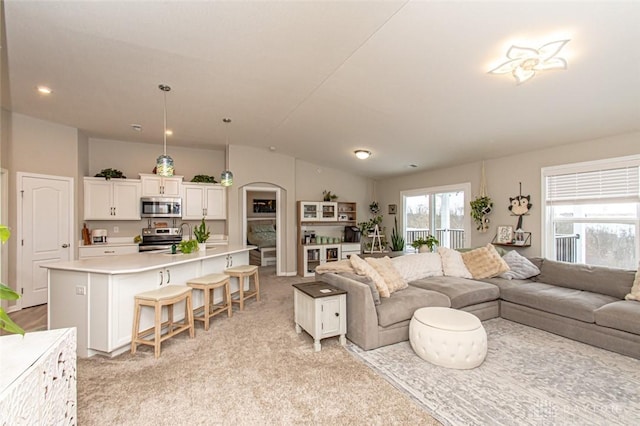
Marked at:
<point>208,284</point>
<point>156,299</point>
<point>241,272</point>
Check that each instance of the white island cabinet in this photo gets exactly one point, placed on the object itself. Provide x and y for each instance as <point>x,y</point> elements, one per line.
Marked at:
<point>96,295</point>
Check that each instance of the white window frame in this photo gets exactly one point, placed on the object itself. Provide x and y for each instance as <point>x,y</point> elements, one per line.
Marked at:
<point>464,187</point>
<point>547,237</point>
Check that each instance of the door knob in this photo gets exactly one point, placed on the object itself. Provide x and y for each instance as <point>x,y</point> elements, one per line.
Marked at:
<point>65,245</point>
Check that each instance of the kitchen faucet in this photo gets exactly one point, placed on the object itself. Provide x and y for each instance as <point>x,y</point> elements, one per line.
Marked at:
<point>189,227</point>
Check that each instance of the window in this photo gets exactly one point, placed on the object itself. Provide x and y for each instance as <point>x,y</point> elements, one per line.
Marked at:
<point>438,212</point>
<point>592,212</point>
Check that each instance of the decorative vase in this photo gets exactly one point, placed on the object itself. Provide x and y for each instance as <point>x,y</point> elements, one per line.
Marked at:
<point>423,249</point>
<point>202,246</point>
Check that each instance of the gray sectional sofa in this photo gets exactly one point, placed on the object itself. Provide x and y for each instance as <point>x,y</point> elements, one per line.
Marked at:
<point>581,302</point>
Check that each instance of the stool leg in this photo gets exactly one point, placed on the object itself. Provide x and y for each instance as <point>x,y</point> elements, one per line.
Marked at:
<point>241,288</point>
<point>158,328</point>
<point>136,326</point>
<point>170,317</point>
<point>256,282</point>
<point>192,328</point>
<point>227,296</point>
<point>206,309</point>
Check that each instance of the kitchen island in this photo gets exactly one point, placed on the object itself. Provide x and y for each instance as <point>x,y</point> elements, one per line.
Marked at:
<point>96,295</point>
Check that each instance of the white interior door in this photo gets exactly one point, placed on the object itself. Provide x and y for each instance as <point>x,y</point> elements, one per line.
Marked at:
<point>45,215</point>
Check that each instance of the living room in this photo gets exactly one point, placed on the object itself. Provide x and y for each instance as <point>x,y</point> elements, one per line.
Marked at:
<point>543,129</point>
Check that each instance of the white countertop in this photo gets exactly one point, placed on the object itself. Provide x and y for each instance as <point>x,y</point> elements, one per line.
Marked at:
<point>140,262</point>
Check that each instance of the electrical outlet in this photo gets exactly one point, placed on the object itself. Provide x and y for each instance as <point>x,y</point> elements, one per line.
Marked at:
<point>81,290</point>
<point>116,229</point>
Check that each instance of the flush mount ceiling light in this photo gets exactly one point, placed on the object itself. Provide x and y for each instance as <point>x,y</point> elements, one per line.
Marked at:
<point>524,62</point>
<point>362,154</point>
<point>226,177</point>
<point>44,90</point>
<point>164,163</point>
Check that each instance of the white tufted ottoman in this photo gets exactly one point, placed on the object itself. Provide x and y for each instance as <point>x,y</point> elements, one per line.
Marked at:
<point>448,337</point>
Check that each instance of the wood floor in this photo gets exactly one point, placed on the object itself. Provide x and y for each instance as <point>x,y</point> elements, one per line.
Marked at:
<point>30,319</point>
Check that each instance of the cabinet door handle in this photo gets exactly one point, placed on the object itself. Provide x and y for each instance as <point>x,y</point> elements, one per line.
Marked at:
<point>161,278</point>
<point>65,245</point>
<point>337,314</point>
<point>109,251</point>
<point>168,276</point>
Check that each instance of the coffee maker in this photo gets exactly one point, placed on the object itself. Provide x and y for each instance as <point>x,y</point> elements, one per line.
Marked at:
<point>351,234</point>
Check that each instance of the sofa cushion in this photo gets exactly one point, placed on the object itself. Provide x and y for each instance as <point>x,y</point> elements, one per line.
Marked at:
<point>520,267</point>
<point>363,268</point>
<point>420,265</point>
<point>403,303</point>
<point>622,315</point>
<point>452,263</point>
<point>462,292</point>
<point>597,279</point>
<point>484,262</point>
<point>634,294</point>
<point>567,302</point>
<point>388,272</point>
<point>364,280</point>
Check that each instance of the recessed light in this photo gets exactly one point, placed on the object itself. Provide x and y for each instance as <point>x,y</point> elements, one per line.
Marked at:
<point>169,132</point>
<point>136,127</point>
<point>362,154</point>
<point>44,90</point>
<point>272,148</point>
<point>413,166</point>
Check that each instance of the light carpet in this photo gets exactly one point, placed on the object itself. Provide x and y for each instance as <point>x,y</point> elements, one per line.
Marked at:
<point>250,369</point>
<point>530,377</point>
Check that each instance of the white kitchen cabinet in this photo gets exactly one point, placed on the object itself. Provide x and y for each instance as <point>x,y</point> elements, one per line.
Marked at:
<point>160,186</point>
<point>321,310</point>
<point>347,249</point>
<point>316,254</point>
<point>97,250</point>
<point>113,199</point>
<point>204,200</point>
<point>318,211</point>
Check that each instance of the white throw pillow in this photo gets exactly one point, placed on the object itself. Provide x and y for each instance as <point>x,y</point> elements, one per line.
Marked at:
<point>388,272</point>
<point>520,268</point>
<point>452,263</point>
<point>363,268</point>
<point>635,289</point>
<point>415,266</point>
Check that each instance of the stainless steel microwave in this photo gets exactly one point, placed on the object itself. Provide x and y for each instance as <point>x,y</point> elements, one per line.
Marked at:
<point>160,207</point>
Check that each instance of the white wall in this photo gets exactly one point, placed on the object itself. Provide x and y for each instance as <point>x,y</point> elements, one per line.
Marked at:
<point>503,176</point>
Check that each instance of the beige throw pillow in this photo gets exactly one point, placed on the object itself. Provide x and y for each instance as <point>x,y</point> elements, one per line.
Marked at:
<point>452,263</point>
<point>363,268</point>
<point>484,262</point>
<point>635,289</point>
<point>389,273</point>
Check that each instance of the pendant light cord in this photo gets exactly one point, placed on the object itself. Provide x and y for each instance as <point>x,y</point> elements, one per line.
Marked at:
<point>165,89</point>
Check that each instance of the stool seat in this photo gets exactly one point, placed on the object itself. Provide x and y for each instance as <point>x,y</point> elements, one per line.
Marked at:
<point>157,299</point>
<point>208,284</point>
<point>241,272</point>
<point>163,293</point>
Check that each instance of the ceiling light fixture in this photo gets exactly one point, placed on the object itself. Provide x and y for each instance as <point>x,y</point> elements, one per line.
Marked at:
<point>524,62</point>
<point>44,90</point>
<point>164,163</point>
<point>362,154</point>
<point>226,177</point>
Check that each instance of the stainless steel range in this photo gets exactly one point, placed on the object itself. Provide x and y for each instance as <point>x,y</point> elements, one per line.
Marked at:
<point>159,238</point>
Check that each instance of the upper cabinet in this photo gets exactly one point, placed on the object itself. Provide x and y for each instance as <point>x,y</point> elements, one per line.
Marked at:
<point>159,186</point>
<point>114,199</point>
<point>204,200</point>
<point>318,211</point>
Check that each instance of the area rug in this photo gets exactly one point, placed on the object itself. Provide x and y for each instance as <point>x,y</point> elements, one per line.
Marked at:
<point>530,377</point>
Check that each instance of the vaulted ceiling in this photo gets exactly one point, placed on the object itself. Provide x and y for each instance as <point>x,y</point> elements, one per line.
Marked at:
<point>407,80</point>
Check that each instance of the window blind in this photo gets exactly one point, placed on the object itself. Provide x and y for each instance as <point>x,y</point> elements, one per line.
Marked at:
<point>620,184</point>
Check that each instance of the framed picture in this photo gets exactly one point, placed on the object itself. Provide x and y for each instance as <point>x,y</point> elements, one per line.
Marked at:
<point>504,234</point>
<point>392,208</point>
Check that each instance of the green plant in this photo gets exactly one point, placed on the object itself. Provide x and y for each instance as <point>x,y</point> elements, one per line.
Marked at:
<point>201,232</point>
<point>110,173</point>
<point>430,241</point>
<point>7,293</point>
<point>368,226</point>
<point>328,196</point>
<point>480,207</point>
<point>188,246</point>
<point>203,179</point>
<point>397,242</point>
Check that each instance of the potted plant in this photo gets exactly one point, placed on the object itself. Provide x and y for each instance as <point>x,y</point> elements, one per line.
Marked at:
<point>397,241</point>
<point>480,208</point>
<point>420,243</point>
<point>201,232</point>
<point>6,293</point>
<point>328,196</point>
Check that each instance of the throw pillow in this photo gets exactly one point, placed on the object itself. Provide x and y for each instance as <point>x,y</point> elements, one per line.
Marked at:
<point>363,268</point>
<point>388,272</point>
<point>520,268</point>
<point>415,266</point>
<point>635,289</point>
<point>484,262</point>
<point>452,263</point>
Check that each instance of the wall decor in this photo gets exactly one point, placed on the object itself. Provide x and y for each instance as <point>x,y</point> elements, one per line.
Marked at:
<point>393,208</point>
<point>504,234</point>
<point>520,206</point>
<point>481,206</point>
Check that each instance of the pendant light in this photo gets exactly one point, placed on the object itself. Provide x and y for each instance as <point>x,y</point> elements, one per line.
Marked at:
<point>226,177</point>
<point>164,163</point>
